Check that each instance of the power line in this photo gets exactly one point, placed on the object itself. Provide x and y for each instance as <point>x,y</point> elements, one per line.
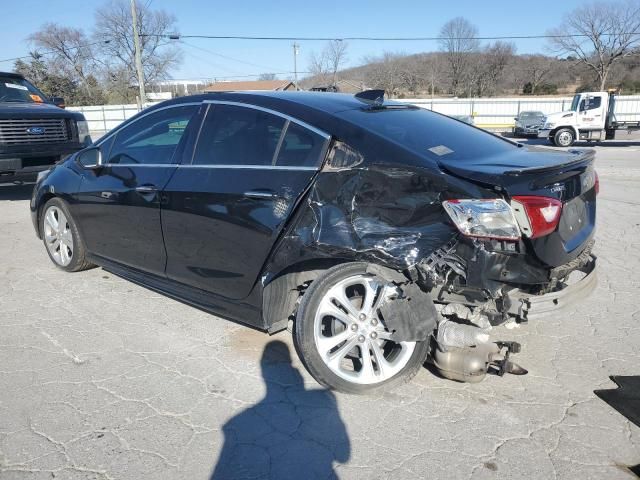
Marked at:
<point>50,52</point>
<point>226,56</point>
<point>379,39</point>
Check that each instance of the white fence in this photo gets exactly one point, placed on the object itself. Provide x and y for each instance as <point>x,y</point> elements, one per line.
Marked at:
<point>103,118</point>
<point>500,112</point>
<point>495,113</point>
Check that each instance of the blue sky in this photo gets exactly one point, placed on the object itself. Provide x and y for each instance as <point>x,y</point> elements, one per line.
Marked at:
<point>293,18</point>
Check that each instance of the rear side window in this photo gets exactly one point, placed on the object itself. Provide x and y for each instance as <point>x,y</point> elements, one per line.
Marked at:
<point>234,135</point>
<point>152,139</point>
<point>429,134</point>
<point>300,147</point>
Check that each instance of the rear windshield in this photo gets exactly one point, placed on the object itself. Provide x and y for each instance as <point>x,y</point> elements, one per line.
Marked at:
<point>18,90</point>
<point>429,134</point>
<point>531,115</point>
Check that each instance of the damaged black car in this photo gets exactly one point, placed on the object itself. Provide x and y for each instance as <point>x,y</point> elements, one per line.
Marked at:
<point>381,234</point>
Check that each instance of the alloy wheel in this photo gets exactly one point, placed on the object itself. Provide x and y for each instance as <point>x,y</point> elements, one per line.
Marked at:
<point>58,237</point>
<point>350,336</point>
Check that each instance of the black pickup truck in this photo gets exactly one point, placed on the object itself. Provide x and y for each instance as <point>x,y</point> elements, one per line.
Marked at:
<point>34,132</point>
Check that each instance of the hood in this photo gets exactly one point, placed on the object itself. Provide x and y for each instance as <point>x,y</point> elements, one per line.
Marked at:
<point>558,116</point>
<point>9,110</point>
<point>524,164</point>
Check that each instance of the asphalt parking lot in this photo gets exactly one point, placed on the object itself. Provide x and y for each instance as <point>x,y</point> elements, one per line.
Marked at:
<point>103,379</point>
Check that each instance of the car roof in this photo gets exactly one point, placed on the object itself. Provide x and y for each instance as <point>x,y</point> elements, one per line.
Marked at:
<point>11,74</point>
<point>327,102</point>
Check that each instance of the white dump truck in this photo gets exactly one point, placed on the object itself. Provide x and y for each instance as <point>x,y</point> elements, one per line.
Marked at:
<point>591,117</point>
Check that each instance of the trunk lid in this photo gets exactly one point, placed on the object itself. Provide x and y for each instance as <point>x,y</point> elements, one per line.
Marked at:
<point>568,176</point>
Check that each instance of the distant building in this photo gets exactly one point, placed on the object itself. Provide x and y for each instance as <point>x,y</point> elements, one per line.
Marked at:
<point>264,85</point>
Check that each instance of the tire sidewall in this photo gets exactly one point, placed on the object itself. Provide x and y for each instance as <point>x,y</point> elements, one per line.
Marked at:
<point>77,257</point>
<point>305,343</point>
<point>561,131</point>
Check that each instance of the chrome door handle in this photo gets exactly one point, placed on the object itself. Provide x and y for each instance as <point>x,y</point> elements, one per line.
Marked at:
<point>146,189</point>
<point>261,194</point>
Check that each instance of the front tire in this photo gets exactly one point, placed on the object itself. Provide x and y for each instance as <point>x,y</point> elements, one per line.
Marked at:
<point>61,237</point>
<point>564,137</point>
<point>341,338</point>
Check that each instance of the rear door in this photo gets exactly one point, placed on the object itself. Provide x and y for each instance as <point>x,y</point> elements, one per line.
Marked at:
<point>118,206</point>
<point>225,209</point>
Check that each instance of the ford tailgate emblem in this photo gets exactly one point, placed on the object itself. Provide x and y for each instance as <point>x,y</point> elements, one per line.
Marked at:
<point>36,130</point>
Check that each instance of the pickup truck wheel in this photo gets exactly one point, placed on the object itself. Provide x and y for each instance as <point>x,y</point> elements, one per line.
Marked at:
<point>61,237</point>
<point>341,338</point>
<point>564,137</point>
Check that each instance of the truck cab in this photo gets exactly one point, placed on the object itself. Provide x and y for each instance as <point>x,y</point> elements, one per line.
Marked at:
<point>591,117</point>
<point>35,132</point>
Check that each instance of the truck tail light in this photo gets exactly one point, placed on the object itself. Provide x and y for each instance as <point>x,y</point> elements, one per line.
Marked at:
<point>537,216</point>
<point>484,218</point>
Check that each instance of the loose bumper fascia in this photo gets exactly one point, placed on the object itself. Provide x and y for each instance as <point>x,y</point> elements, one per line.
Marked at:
<point>544,133</point>
<point>526,306</point>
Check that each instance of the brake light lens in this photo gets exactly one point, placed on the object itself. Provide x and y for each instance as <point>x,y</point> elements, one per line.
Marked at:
<point>483,218</point>
<point>542,214</point>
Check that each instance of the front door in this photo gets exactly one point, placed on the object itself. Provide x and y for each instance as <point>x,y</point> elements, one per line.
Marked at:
<point>592,113</point>
<point>118,206</point>
<point>224,211</point>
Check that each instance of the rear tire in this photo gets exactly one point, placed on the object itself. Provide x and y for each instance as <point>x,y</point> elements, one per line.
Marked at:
<point>61,237</point>
<point>564,137</point>
<point>341,338</point>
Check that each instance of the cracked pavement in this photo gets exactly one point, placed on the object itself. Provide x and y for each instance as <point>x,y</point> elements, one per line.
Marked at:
<point>104,379</point>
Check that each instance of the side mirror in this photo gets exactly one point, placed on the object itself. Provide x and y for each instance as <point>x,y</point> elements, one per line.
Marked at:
<point>91,158</point>
<point>58,102</point>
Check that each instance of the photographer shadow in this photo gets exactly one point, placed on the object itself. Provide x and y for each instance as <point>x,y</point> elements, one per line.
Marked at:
<point>292,433</point>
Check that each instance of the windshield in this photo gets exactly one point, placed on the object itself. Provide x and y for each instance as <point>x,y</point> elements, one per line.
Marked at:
<point>429,134</point>
<point>531,116</point>
<point>18,90</point>
<point>574,103</point>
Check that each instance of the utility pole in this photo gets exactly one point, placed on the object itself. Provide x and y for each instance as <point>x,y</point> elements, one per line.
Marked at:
<point>296,50</point>
<point>138,53</point>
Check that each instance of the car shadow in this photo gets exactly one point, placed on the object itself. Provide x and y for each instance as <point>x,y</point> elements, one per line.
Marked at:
<point>292,433</point>
<point>16,191</point>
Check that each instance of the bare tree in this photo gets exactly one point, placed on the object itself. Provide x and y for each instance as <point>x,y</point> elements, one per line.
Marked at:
<point>336,53</point>
<point>489,68</point>
<point>71,53</point>
<point>326,64</point>
<point>536,69</point>
<point>385,72</point>
<point>432,68</point>
<point>113,23</point>
<point>458,41</point>
<point>603,34</point>
<point>318,67</point>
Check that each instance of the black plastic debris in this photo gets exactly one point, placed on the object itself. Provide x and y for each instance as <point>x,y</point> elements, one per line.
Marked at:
<point>625,399</point>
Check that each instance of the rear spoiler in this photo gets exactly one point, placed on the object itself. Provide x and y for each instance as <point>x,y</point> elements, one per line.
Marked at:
<point>581,156</point>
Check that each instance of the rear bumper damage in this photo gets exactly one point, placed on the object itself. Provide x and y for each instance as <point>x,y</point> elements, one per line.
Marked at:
<point>525,306</point>
<point>462,345</point>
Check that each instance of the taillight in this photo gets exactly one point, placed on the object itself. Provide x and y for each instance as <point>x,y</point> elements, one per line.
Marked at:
<point>485,218</point>
<point>542,214</point>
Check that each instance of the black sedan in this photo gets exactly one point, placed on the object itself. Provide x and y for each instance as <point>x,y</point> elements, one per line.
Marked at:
<point>379,233</point>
